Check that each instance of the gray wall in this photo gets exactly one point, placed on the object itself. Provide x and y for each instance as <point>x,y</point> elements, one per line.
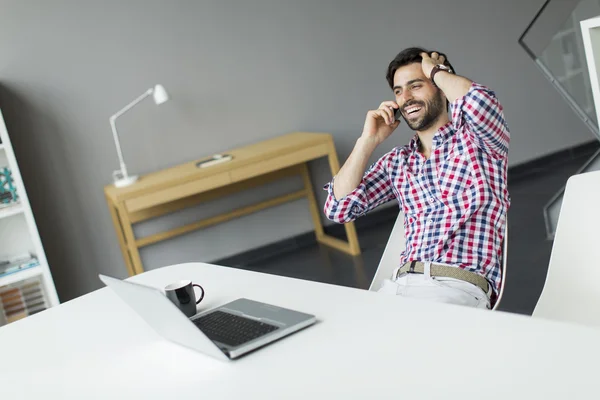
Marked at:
<point>237,73</point>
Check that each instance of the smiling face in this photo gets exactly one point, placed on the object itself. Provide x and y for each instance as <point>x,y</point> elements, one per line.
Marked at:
<point>421,103</point>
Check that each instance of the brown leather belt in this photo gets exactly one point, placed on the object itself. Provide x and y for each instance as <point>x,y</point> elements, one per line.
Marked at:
<point>418,267</point>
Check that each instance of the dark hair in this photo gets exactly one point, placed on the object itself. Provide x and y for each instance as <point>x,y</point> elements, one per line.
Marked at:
<point>406,57</point>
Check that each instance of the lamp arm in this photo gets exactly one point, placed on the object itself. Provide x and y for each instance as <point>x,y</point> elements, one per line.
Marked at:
<point>132,104</point>
<point>113,125</point>
<point>118,146</point>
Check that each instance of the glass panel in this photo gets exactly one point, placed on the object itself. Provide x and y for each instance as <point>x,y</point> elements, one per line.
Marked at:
<point>554,42</point>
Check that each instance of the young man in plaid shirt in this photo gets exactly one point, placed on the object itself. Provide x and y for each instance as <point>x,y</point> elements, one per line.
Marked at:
<point>450,181</point>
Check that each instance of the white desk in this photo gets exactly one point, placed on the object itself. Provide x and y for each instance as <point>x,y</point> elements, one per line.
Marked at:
<point>366,345</point>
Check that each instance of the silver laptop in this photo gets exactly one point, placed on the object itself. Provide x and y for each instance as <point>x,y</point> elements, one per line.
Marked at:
<point>225,332</point>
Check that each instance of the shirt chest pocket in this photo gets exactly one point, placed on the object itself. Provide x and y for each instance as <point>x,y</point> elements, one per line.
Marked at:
<point>454,175</point>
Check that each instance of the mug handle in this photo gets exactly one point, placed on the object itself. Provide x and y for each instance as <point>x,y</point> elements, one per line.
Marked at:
<point>202,295</point>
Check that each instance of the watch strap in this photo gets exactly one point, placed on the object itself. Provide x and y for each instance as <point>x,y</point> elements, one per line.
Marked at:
<point>437,69</point>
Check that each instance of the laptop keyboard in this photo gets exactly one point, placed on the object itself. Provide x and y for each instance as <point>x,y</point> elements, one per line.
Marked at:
<point>230,329</point>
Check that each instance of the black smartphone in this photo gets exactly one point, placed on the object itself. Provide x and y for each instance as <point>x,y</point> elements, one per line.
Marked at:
<point>398,114</point>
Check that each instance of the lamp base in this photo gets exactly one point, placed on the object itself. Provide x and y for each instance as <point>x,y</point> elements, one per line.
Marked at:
<point>126,181</point>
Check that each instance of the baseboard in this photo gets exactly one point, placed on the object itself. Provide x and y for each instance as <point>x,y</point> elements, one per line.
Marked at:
<point>374,218</point>
<point>539,164</point>
<point>387,214</point>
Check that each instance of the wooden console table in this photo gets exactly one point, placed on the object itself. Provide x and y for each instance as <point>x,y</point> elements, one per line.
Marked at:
<point>186,185</point>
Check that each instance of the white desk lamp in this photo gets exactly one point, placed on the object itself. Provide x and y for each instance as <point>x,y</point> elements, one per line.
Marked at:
<point>121,177</point>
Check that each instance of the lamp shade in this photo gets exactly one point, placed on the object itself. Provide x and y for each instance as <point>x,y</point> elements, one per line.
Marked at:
<point>160,94</point>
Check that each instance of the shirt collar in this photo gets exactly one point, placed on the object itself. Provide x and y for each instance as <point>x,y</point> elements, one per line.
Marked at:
<point>440,137</point>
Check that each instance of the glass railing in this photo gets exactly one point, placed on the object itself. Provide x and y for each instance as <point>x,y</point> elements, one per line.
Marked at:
<point>554,42</point>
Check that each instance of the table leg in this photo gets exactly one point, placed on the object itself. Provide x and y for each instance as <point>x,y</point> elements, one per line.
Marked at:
<point>132,250</point>
<point>120,236</point>
<point>312,203</point>
<point>352,246</point>
<point>334,166</point>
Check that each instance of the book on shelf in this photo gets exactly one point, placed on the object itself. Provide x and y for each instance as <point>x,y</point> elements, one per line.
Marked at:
<point>21,300</point>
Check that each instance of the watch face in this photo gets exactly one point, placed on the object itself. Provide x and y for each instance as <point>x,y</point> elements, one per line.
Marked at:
<point>445,68</point>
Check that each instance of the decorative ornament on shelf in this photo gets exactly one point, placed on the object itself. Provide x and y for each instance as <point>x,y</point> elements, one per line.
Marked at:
<point>8,190</point>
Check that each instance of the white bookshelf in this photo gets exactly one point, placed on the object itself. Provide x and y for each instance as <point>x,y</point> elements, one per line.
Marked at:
<point>12,210</point>
<point>19,236</point>
<point>590,32</point>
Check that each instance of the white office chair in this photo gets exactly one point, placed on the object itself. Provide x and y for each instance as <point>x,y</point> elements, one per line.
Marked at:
<point>391,254</point>
<point>397,243</point>
<point>572,288</point>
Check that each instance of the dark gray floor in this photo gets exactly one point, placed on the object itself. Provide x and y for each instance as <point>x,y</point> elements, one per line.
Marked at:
<point>528,248</point>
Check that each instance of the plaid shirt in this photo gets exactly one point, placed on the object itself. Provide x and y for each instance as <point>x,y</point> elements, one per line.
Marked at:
<point>455,202</point>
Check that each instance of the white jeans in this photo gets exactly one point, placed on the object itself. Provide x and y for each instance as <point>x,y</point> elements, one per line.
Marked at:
<point>443,290</point>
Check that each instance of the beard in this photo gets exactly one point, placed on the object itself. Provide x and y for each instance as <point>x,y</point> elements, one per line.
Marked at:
<point>433,109</point>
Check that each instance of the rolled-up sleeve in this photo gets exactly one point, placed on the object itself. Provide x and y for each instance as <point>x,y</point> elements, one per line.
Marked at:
<point>483,115</point>
<point>374,189</point>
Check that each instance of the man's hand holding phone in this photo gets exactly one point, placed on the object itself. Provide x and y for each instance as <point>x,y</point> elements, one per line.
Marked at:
<point>381,123</point>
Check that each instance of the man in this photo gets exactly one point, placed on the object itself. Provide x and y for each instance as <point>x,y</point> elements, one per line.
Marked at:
<point>450,181</point>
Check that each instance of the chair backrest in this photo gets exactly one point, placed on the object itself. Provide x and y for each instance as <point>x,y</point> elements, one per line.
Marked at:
<point>397,243</point>
<point>572,289</point>
<point>503,263</point>
<point>391,254</point>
